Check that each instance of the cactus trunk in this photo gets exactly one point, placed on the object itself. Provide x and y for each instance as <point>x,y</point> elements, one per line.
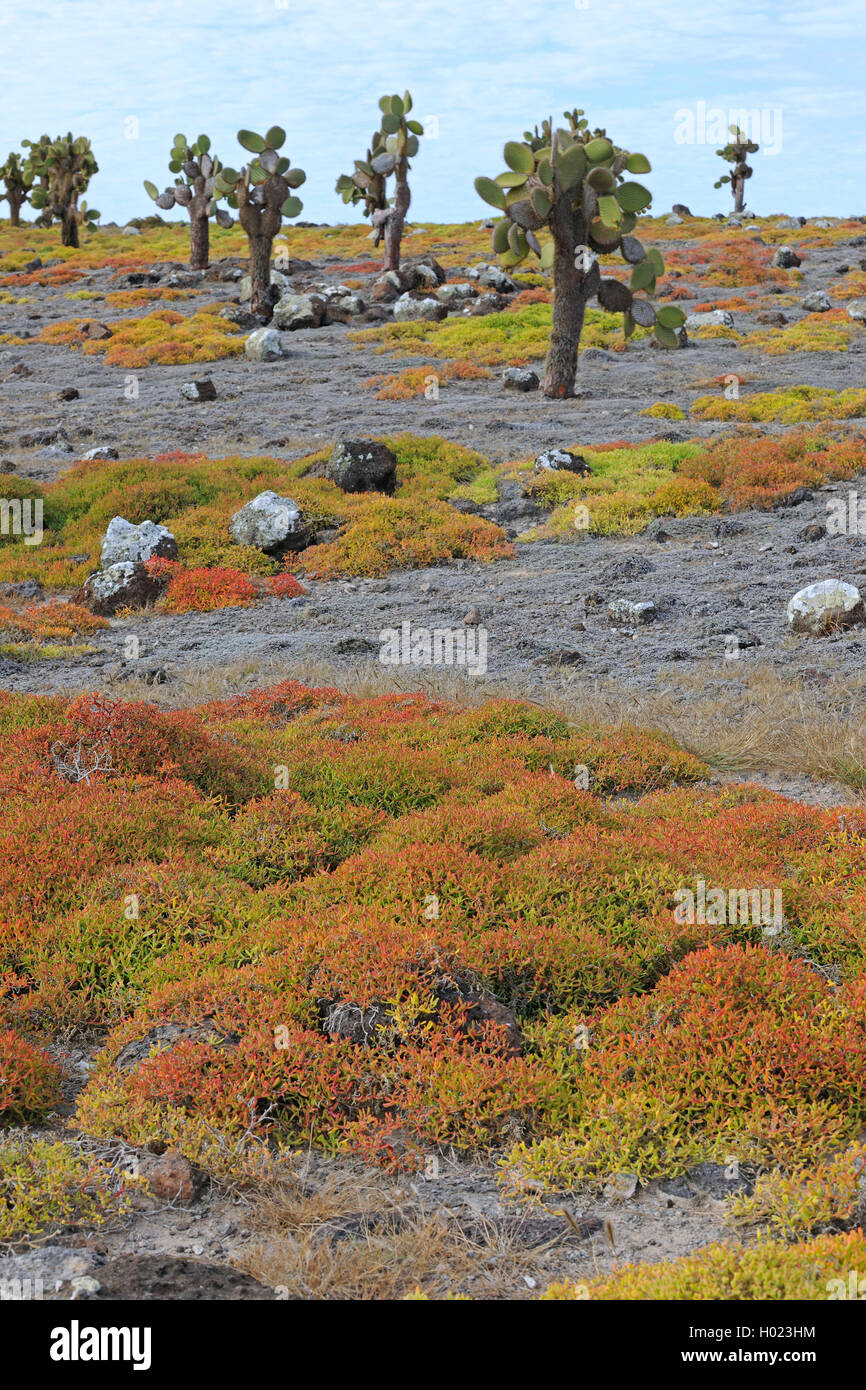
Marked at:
<point>569,303</point>
<point>199,243</point>
<point>69,227</point>
<point>260,274</point>
<point>739,185</point>
<point>16,199</point>
<point>397,217</point>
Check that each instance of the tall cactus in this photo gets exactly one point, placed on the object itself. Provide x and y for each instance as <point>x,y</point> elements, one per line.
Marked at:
<point>391,149</point>
<point>735,153</point>
<point>262,193</point>
<point>17,184</point>
<point>571,183</point>
<point>196,192</point>
<point>64,168</point>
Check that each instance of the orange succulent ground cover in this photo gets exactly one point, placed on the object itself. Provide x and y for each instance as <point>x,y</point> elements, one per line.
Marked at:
<point>229,887</point>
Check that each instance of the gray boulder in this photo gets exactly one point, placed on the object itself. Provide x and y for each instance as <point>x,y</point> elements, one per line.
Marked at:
<point>711,318</point>
<point>519,379</point>
<point>264,345</point>
<point>627,613</point>
<point>493,279</point>
<point>561,460</point>
<point>270,523</point>
<point>104,453</point>
<point>278,279</point>
<point>295,311</point>
<point>406,308</point>
<point>455,291</point>
<point>857,310</point>
<point>125,585</point>
<point>816,302</point>
<point>825,607</point>
<point>362,465</point>
<point>124,541</point>
<point>785,258</point>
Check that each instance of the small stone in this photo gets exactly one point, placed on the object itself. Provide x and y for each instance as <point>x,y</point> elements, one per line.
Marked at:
<point>103,452</point>
<point>519,379</point>
<point>673,220</point>
<point>772,317</point>
<point>473,618</point>
<point>68,393</point>
<point>813,532</point>
<point>680,210</point>
<point>294,311</point>
<point>199,390</point>
<point>857,310</point>
<point>621,1187</point>
<point>170,1176</point>
<point>629,613</point>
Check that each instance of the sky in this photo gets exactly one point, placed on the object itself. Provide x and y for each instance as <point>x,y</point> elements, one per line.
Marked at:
<point>662,77</point>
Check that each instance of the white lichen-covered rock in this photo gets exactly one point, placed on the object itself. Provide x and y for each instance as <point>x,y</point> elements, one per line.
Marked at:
<point>826,606</point>
<point>456,290</point>
<point>857,310</point>
<point>785,258</point>
<point>125,585</point>
<point>103,453</point>
<point>295,311</point>
<point>271,523</point>
<point>493,278</point>
<point>628,613</point>
<point>816,303</point>
<point>408,308</point>
<point>711,318</point>
<point>264,345</point>
<point>124,541</point>
<point>561,460</point>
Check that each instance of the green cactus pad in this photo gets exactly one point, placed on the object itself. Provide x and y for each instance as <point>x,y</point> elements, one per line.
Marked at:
<point>490,192</point>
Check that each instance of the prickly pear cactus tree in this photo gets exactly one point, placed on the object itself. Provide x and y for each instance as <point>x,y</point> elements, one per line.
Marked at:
<point>391,149</point>
<point>64,167</point>
<point>262,193</point>
<point>735,153</point>
<point>368,184</point>
<point>17,185</point>
<point>195,191</point>
<point>574,184</point>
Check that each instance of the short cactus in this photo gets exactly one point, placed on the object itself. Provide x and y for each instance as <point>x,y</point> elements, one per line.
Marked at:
<point>196,191</point>
<point>390,150</point>
<point>262,193</point>
<point>572,183</point>
<point>735,153</point>
<point>64,168</point>
<point>17,184</point>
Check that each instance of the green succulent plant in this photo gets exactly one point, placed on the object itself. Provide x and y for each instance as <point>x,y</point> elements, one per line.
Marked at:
<point>574,184</point>
<point>262,192</point>
<point>735,153</point>
<point>195,191</point>
<point>391,148</point>
<point>64,168</point>
<point>17,184</point>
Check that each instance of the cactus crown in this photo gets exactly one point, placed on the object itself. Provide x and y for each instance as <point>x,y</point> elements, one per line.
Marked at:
<point>64,168</point>
<point>266,182</point>
<point>13,170</point>
<point>395,142</point>
<point>581,175</point>
<point>196,190</point>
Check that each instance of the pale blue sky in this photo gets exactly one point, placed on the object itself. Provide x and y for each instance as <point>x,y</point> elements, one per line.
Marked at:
<point>485,71</point>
